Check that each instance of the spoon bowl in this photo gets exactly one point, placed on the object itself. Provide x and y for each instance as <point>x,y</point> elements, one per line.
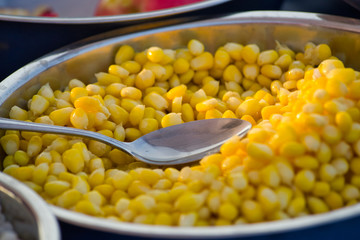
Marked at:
<point>178,144</point>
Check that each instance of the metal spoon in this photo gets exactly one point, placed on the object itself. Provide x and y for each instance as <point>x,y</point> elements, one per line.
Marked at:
<point>178,144</point>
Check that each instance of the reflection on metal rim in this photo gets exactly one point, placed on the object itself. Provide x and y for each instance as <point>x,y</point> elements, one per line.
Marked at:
<point>116,18</point>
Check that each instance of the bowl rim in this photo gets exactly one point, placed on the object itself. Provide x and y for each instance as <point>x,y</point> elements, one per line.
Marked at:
<point>123,18</point>
<point>48,226</point>
<point>140,230</point>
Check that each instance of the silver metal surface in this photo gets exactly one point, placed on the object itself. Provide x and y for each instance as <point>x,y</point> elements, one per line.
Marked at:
<point>29,215</point>
<point>81,12</point>
<point>82,61</point>
<point>178,144</point>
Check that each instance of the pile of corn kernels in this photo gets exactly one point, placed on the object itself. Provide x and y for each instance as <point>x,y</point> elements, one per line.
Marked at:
<point>301,157</point>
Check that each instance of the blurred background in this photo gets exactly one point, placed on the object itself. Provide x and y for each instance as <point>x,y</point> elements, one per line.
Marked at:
<point>22,41</point>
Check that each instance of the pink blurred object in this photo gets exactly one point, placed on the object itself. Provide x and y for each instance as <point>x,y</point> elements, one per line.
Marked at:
<point>115,7</point>
<point>153,5</point>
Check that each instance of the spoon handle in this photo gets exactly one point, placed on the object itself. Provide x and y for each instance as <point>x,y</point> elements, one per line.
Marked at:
<point>10,124</point>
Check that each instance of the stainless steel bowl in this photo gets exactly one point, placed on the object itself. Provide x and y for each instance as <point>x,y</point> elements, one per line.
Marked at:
<point>82,11</point>
<point>29,215</point>
<point>83,60</point>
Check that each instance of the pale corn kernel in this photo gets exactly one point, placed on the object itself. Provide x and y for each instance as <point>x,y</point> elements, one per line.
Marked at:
<point>259,151</point>
<point>251,71</point>
<point>234,50</point>
<point>327,172</point>
<point>252,211</point>
<point>155,101</point>
<point>204,61</point>
<point>38,104</point>
<point>284,195</point>
<point>270,176</point>
<point>18,113</point>
<point>171,119</point>
<point>10,143</point>
<point>131,92</point>
<point>144,79</point>
<point>324,153</point>
<point>267,57</point>
<point>268,199</point>
<point>271,71</point>
<point>350,192</point>
<point>195,47</point>
<point>327,65</point>
<point>211,87</point>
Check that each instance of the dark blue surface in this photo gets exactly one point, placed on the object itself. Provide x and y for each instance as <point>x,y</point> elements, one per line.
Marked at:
<point>347,230</point>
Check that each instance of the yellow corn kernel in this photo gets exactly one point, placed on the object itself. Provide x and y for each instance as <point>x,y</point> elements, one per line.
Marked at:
<point>73,160</point>
<point>149,112</point>
<point>327,65</point>
<point>55,188</point>
<point>131,134</point>
<point>145,79</point>
<point>148,125</point>
<point>204,61</point>
<point>271,71</point>
<point>306,161</point>
<point>317,205</point>
<point>268,200</point>
<point>68,198</point>
<point>296,206</point>
<point>321,189</point>
<point>136,115</point>
<point>221,59</point>
<point>331,134</point>
<point>267,57</point>
<point>259,151</point>
<point>350,192</point>
<point>250,53</point>
<point>234,50</point>
<point>189,202</point>
<point>284,61</point>
<point>87,207</point>
<point>334,200</point>
<point>181,66</point>
<point>232,74</point>
<point>284,195</point>
<point>305,180</point>
<point>187,112</point>
<point>132,67</point>
<point>155,54</point>
<point>21,158</point>
<point>124,53</point>
<point>252,211</point>
<point>131,92</point>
